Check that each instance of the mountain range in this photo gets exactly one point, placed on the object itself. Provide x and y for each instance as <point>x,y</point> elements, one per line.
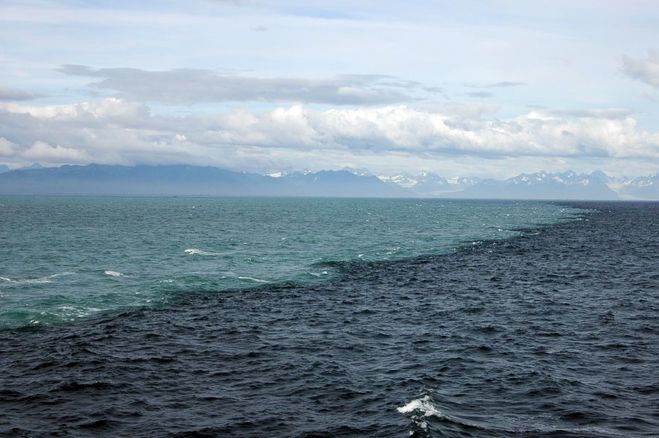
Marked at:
<point>95,179</point>
<point>540,185</point>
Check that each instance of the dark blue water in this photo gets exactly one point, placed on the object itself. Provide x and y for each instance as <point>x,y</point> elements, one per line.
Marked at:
<point>553,332</point>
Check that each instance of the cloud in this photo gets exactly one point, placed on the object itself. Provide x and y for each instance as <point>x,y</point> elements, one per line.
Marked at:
<point>7,148</point>
<point>42,152</point>
<point>188,86</point>
<point>481,94</point>
<point>609,113</point>
<point>9,94</point>
<point>116,131</point>
<point>502,84</point>
<point>644,70</point>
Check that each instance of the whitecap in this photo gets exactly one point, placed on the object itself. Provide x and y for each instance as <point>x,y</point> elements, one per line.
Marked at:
<point>201,252</point>
<point>61,274</point>
<point>422,406</point>
<point>317,274</point>
<point>114,274</point>
<point>40,280</point>
<point>72,312</point>
<point>256,280</point>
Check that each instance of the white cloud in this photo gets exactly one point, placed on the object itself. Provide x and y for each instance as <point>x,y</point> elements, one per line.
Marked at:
<point>42,151</point>
<point>7,148</point>
<point>121,132</point>
<point>645,70</point>
<point>107,109</point>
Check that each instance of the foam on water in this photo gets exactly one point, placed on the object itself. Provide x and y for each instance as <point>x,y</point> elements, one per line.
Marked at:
<point>548,335</point>
<point>114,274</point>
<point>201,252</point>
<point>266,240</point>
<point>255,280</point>
<point>317,274</point>
<point>40,280</point>
<point>418,410</point>
<point>421,405</point>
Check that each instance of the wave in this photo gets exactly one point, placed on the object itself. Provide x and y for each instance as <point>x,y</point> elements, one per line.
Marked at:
<point>419,410</point>
<point>114,274</point>
<point>255,280</point>
<point>40,280</point>
<point>317,274</point>
<point>201,252</point>
<point>421,405</point>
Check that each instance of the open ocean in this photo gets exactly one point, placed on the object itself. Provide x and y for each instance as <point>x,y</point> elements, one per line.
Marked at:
<point>328,317</point>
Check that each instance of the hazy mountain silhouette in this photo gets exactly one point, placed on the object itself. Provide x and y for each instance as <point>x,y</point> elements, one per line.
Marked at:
<point>95,179</point>
<point>544,185</point>
<point>642,187</point>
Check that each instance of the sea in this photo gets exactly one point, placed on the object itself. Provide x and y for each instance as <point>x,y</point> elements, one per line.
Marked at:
<point>320,317</point>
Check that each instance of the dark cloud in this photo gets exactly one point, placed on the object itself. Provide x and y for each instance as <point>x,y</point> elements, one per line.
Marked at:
<point>188,86</point>
<point>480,94</point>
<point>434,89</point>
<point>8,94</point>
<point>644,70</point>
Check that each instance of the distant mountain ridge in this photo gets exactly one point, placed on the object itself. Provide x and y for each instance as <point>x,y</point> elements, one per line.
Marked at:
<point>545,185</point>
<point>642,187</point>
<point>96,179</point>
<point>430,184</point>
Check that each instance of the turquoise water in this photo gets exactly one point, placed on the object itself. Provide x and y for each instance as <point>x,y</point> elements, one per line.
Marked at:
<point>65,258</point>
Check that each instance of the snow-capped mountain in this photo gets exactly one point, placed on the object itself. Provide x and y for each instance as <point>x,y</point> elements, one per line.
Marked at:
<point>462,182</point>
<point>429,184</point>
<point>545,185</point>
<point>568,178</point>
<point>153,180</point>
<point>642,187</point>
<point>403,180</point>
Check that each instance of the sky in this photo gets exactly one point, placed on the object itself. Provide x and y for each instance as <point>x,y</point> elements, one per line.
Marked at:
<point>470,88</point>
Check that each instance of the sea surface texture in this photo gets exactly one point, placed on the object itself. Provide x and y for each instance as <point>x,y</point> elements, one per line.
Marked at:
<point>66,258</point>
<point>435,318</point>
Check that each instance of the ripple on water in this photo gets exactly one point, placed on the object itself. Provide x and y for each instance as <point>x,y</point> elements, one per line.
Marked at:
<point>428,345</point>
